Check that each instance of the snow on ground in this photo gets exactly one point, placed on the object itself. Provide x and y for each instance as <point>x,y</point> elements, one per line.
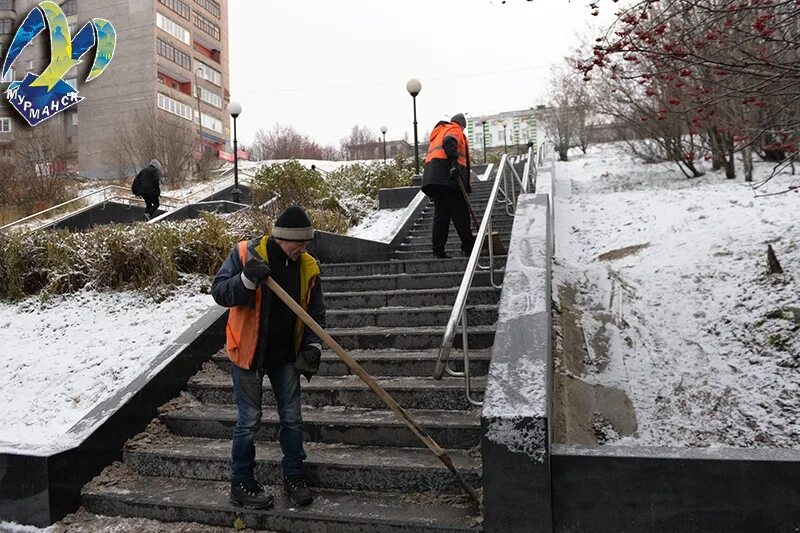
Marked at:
<point>701,339</point>
<point>383,225</point>
<point>85,522</point>
<point>61,357</point>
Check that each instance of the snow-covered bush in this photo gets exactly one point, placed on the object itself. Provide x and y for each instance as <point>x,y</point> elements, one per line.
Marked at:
<point>292,182</point>
<point>141,256</point>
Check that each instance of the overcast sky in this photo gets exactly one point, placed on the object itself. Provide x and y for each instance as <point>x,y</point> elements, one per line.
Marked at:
<point>323,66</point>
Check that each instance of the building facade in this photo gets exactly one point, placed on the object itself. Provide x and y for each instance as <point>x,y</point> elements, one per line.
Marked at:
<point>510,128</point>
<point>170,61</point>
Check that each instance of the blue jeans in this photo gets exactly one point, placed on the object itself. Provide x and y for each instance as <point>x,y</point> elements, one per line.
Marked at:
<point>247,389</point>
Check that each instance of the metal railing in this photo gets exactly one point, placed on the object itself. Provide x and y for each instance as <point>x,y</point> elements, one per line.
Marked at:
<point>108,193</point>
<point>458,317</point>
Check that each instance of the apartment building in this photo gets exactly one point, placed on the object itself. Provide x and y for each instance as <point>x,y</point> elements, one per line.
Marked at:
<point>509,128</point>
<point>171,60</point>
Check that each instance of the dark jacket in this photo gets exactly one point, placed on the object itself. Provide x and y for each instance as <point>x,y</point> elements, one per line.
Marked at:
<point>149,181</point>
<point>437,171</point>
<point>228,290</point>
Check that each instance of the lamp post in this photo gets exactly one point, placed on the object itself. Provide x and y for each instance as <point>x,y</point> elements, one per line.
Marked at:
<point>383,130</point>
<point>414,87</point>
<point>483,121</point>
<point>505,146</point>
<point>199,116</point>
<point>235,109</point>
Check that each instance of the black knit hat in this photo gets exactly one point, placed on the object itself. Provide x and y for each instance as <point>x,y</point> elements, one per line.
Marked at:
<point>293,225</point>
<point>458,118</point>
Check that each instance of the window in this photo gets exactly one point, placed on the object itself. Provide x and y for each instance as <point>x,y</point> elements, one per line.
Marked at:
<point>209,122</point>
<point>168,51</point>
<point>6,26</point>
<point>208,73</point>
<point>6,5</point>
<point>29,65</point>
<point>173,28</point>
<point>206,25</point>
<point>73,82</point>
<point>210,97</point>
<point>5,125</point>
<point>70,7</point>
<point>73,119</point>
<point>178,7</point>
<point>175,107</point>
<point>209,5</point>
<point>10,76</point>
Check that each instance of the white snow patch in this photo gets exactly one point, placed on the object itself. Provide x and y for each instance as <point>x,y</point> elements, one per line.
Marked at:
<point>383,225</point>
<point>691,338</point>
<point>60,358</point>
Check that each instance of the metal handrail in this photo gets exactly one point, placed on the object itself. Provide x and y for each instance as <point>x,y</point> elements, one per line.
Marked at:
<point>459,313</point>
<point>107,193</point>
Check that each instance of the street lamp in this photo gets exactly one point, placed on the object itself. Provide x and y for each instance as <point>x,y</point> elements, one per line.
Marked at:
<point>414,87</point>
<point>235,109</point>
<point>383,130</point>
<point>483,121</point>
<point>199,114</point>
<point>505,146</point>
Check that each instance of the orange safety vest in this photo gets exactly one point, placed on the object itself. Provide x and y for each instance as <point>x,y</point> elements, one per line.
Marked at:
<point>436,146</point>
<point>244,322</point>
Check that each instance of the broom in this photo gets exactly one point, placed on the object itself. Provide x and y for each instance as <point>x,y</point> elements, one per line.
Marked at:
<point>377,389</point>
<point>497,244</point>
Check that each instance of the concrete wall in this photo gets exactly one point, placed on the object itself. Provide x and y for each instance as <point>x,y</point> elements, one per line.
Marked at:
<point>396,198</point>
<point>516,411</point>
<point>246,197</point>
<point>651,489</point>
<point>102,214</point>
<point>334,248</point>
<point>195,210</point>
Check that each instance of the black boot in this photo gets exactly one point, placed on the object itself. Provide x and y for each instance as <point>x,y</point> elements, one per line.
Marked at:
<point>297,490</point>
<point>250,494</point>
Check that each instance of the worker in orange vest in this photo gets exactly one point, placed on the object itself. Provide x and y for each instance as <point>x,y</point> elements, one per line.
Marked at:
<point>265,337</point>
<point>446,162</point>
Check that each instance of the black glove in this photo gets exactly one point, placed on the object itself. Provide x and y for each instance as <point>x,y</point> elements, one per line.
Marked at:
<point>454,172</point>
<point>307,361</point>
<point>256,270</point>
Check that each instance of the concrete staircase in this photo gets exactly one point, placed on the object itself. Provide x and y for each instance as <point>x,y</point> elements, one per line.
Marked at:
<point>367,470</point>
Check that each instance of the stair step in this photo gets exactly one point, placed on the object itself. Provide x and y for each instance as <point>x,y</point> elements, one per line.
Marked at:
<point>388,362</point>
<point>192,500</point>
<point>407,298</point>
<point>453,246</point>
<point>350,391</point>
<point>395,317</point>
<point>364,427</point>
<point>407,338</point>
<point>436,280</point>
<point>401,255</point>
<point>330,466</point>
<point>393,266</point>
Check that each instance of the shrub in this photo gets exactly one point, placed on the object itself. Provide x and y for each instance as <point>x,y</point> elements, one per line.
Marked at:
<point>292,183</point>
<point>142,256</point>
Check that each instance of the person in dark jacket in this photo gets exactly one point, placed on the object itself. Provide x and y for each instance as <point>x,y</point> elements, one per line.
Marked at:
<point>264,336</point>
<point>446,162</point>
<point>147,184</point>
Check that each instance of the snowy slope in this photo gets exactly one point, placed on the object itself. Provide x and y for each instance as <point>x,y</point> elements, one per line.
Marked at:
<point>702,340</point>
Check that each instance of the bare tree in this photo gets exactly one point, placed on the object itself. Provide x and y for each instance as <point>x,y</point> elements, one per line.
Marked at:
<point>566,121</point>
<point>284,142</point>
<point>355,145</point>
<point>154,135</point>
<point>727,67</point>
